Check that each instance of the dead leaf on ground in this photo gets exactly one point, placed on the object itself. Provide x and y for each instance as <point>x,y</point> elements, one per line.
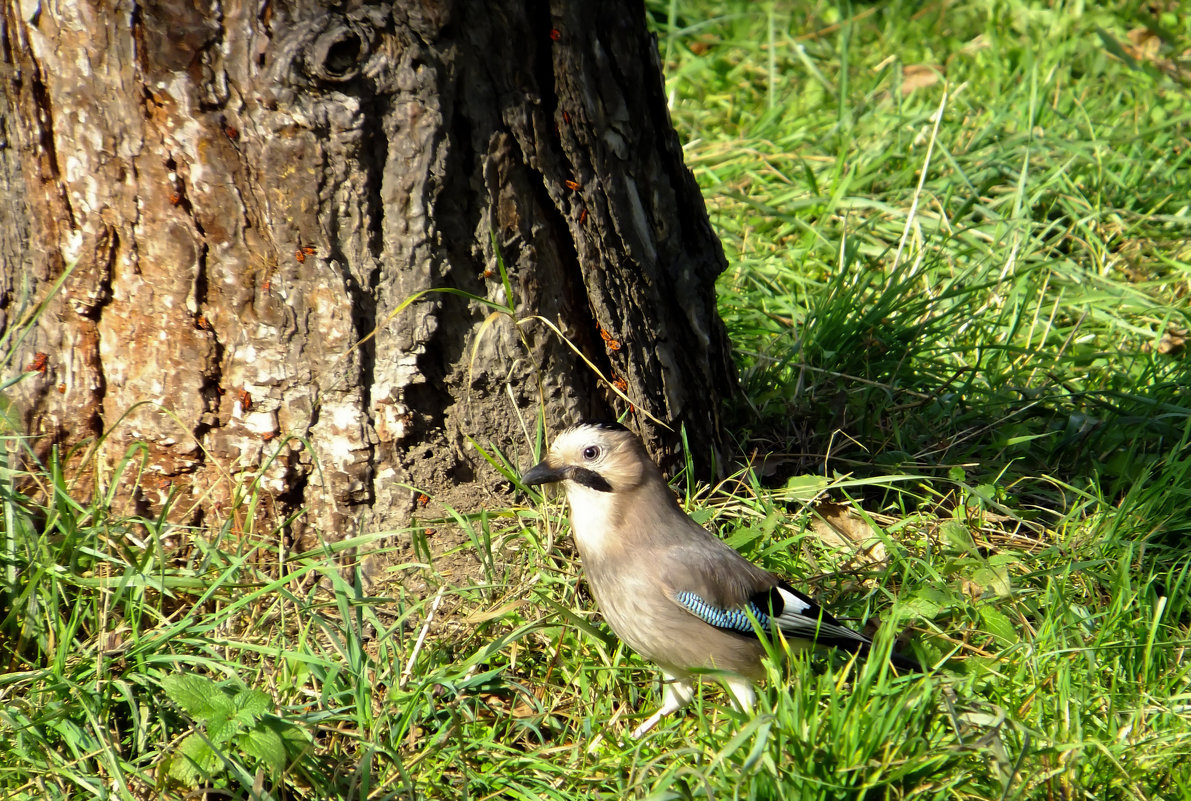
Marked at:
<point>1144,44</point>
<point>839,526</point>
<point>920,76</point>
<point>703,43</point>
<point>1173,342</point>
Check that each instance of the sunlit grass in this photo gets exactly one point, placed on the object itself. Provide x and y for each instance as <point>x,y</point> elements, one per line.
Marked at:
<point>957,289</point>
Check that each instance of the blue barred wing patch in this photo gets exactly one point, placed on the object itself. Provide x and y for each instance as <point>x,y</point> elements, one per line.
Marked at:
<point>730,619</point>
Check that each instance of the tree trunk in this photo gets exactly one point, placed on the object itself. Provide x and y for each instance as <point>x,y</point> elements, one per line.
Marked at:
<point>321,247</point>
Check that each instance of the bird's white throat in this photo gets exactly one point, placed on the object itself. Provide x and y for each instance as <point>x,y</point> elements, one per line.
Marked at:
<point>592,513</point>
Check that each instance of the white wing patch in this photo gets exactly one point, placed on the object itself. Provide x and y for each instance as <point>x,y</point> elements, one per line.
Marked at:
<point>792,603</point>
<point>801,618</point>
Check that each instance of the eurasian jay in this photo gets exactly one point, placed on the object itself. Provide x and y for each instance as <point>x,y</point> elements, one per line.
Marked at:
<point>669,589</point>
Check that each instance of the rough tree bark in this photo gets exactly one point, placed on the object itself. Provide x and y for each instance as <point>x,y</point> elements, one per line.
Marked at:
<point>236,195</point>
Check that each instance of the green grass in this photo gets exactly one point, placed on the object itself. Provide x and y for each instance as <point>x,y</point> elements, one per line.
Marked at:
<point>959,342</point>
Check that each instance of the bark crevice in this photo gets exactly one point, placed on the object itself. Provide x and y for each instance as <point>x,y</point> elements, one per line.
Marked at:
<point>250,192</point>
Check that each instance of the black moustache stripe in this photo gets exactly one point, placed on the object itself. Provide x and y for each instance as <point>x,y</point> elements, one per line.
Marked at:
<point>590,479</point>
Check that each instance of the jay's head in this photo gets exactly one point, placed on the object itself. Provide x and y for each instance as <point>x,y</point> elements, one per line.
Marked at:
<point>594,457</point>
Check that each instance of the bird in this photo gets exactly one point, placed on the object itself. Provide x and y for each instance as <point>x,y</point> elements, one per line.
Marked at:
<point>676,594</point>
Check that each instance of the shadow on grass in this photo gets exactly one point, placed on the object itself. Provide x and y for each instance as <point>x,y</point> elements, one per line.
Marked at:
<point>979,383</point>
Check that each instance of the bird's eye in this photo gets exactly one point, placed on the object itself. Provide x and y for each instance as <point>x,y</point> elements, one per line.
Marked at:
<point>591,452</point>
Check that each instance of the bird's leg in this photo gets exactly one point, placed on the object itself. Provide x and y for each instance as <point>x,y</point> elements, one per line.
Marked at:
<point>676,693</point>
<point>742,692</point>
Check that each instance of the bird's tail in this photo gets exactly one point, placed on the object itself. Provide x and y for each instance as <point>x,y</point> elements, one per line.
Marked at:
<point>907,664</point>
<point>900,661</point>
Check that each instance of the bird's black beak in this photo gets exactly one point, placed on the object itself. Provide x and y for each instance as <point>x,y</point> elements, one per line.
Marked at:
<point>542,473</point>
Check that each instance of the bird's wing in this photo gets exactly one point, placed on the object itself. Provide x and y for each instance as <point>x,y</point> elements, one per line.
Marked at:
<point>782,607</point>
<point>799,616</point>
<point>723,589</point>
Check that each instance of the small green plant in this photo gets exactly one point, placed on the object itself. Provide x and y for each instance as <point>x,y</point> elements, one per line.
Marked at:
<point>1001,409</point>
<point>241,720</point>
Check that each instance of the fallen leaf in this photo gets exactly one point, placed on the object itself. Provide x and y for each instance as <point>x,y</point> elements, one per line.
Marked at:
<point>841,527</point>
<point>920,76</point>
<point>1144,44</point>
<point>1173,342</point>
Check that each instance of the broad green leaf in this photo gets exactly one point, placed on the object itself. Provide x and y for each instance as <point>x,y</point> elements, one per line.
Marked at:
<point>985,492</point>
<point>957,536</point>
<point>1004,558</point>
<point>743,537</point>
<point>264,744</point>
<point>995,578</point>
<point>250,705</point>
<point>806,488</point>
<point>925,603</point>
<point>220,728</point>
<point>198,696</point>
<point>998,624</point>
<point>296,738</point>
<point>193,761</point>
